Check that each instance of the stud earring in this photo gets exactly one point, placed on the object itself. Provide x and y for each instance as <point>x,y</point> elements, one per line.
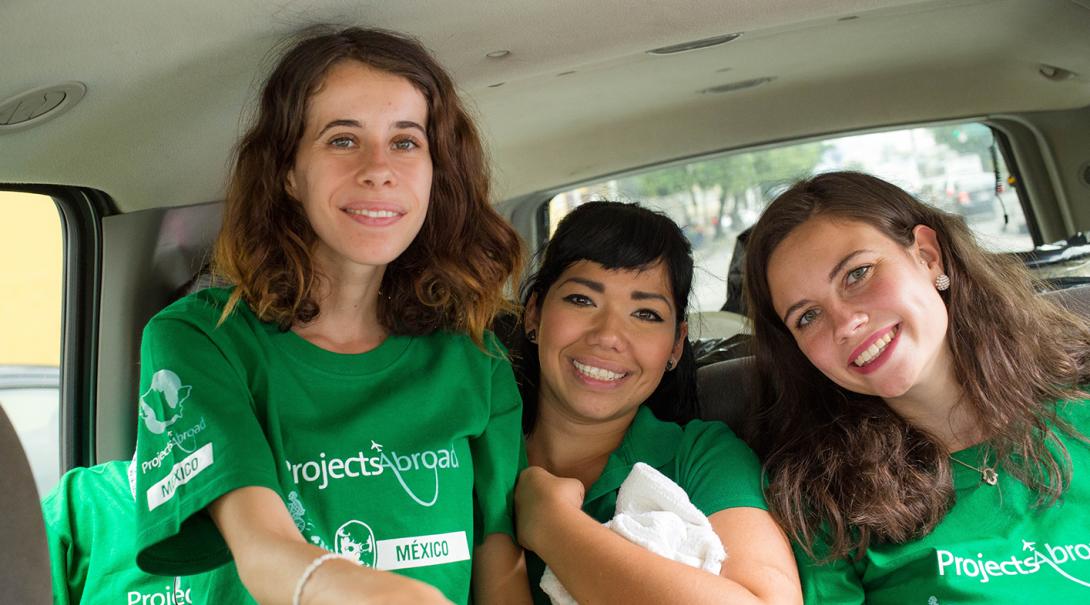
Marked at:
<point>669,365</point>
<point>942,282</point>
<point>532,336</point>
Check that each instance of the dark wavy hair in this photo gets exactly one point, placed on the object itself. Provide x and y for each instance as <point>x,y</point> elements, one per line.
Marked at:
<point>843,467</point>
<point>616,236</point>
<point>452,275</point>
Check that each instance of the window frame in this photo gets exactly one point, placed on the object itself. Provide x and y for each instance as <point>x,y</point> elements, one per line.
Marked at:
<point>539,202</point>
<point>80,211</point>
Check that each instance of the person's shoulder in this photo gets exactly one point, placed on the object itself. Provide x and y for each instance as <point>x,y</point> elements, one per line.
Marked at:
<point>105,483</point>
<point>492,347</point>
<point>204,311</point>
<point>699,429</point>
<point>202,304</point>
<point>710,440</point>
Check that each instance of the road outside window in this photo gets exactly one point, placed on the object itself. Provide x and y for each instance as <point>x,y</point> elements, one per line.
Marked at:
<point>956,167</point>
<point>32,251</point>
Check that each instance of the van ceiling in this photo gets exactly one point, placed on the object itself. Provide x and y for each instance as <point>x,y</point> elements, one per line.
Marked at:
<point>576,97</point>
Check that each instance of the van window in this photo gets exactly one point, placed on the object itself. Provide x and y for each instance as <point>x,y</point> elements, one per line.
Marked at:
<point>32,249</point>
<point>956,167</point>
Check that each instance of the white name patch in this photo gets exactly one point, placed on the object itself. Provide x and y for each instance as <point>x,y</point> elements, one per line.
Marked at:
<point>180,474</point>
<point>421,551</point>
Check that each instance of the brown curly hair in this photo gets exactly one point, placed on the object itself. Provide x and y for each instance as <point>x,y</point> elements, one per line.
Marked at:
<point>845,469</point>
<point>450,278</point>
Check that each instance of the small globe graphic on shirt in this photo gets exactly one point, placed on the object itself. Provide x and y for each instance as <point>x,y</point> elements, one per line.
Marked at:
<point>355,539</point>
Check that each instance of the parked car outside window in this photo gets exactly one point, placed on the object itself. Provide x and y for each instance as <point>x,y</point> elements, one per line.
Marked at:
<point>716,198</point>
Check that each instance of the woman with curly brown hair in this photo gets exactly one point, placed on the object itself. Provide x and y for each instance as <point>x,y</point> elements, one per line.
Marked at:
<point>923,422</point>
<point>339,421</point>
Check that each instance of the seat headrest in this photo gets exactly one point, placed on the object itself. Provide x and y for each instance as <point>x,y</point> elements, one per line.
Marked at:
<point>24,565</point>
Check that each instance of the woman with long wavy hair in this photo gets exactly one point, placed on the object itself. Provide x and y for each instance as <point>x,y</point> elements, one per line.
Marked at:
<point>339,421</point>
<point>923,416</point>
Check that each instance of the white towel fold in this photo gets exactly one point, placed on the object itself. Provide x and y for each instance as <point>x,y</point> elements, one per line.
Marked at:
<point>655,513</point>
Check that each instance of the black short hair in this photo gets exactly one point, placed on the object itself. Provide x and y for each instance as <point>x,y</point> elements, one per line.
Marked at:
<point>617,236</point>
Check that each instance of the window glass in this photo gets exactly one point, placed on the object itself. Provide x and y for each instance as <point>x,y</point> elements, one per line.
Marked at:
<point>31,250</point>
<point>956,167</point>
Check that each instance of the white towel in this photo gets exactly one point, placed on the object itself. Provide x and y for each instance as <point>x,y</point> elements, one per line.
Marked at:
<point>655,513</point>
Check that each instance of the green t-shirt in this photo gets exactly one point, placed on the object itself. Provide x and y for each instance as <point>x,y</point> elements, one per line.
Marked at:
<point>715,468</point>
<point>388,456</point>
<point>992,547</point>
<point>89,517</point>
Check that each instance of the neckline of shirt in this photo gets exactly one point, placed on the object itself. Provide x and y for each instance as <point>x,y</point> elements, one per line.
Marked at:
<point>352,364</point>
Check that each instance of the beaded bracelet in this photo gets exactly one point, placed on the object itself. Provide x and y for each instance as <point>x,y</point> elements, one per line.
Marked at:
<point>309,571</point>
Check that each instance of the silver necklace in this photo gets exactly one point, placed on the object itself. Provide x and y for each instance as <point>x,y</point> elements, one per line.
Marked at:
<point>987,473</point>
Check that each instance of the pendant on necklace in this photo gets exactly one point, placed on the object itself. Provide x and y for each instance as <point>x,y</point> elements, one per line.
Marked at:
<point>989,476</point>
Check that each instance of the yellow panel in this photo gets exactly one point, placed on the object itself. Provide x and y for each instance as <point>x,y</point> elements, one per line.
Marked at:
<point>31,263</point>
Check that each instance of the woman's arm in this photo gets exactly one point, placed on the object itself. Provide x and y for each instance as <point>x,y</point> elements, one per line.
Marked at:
<point>499,572</point>
<point>271,555</point>
<point>597,565</point>
<point>499,567</point>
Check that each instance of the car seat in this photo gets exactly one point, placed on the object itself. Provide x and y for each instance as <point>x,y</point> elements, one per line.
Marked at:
<point>24,562</point>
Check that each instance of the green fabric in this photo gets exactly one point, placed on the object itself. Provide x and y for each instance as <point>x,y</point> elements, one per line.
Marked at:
<point>388,455</point>
<point>89,517</point>
<point>992,547</point>
<point>715,468</point>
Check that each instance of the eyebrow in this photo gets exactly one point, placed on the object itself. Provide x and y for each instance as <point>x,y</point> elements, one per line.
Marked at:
<point>641,295</point>
<point>793,308</point>
<point>837,268</point>
<point>593,285</point>
<point>599,287</point>
<point>401,125</point>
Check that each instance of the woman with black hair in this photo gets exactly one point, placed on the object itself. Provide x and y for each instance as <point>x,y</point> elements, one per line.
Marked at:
<point>608,380</point>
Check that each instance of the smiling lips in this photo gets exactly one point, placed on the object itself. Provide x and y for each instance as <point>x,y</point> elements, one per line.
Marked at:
<point>372,213</point>
<point>596,373</point>
<point>374,217</point>
<point>875,350</point>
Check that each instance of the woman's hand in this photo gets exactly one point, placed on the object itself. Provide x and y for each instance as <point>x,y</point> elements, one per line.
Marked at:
<point>550,520</point>
<point>539,495</point>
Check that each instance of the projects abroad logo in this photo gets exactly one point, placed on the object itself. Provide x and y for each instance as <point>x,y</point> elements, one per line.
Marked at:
<point>1031,560</point>
<point>376,461</point>
<point>168,393</point>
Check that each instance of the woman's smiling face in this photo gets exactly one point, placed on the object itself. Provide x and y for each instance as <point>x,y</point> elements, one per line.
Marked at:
<point>363,171</point>
<point>604,339</point>
<point>862,308</point>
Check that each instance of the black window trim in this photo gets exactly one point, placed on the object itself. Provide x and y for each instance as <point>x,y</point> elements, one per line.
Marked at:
<point>81,211</point>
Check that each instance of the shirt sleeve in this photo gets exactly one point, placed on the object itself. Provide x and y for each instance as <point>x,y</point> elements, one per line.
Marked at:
<point>718,470</point>
<point>198,438</point>
<point>498,453</point>
<point>835,582</point>
<point>68,572</point>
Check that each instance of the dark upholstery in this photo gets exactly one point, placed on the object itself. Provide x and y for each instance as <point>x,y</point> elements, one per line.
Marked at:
<point>24,559</point>
<point>725,388</point>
